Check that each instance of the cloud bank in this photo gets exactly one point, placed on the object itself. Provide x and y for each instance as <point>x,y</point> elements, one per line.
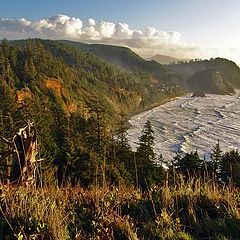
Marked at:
<point>146,42</point>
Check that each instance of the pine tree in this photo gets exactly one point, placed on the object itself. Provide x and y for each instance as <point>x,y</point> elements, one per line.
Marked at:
<point>29,70</point>
<point>123,154</point>
<point>189,165</point>
<point>145,150</point>
<point>216,156</point>
<point>145,156</point>
<point>230,167</point>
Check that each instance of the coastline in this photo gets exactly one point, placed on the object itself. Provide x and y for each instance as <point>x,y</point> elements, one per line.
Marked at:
<point>191,123</point>
<point>169,99</point>
<point>166,100</point>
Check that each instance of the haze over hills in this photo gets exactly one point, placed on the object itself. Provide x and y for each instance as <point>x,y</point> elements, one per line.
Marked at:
<point>228,71</point>
<point>210,81</point>
<point>179,73</point>
<point>163,59</point>
<point>125,58</point>
<point>80,78</point>
<point>119,78</point>
<point>111,125</point>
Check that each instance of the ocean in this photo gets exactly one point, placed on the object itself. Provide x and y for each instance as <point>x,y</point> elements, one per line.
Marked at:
<point>187,124</point>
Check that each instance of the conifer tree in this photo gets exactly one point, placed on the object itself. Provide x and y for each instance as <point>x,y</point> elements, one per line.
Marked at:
<point>230,167</point>
<point>145,156</point>
<point>189,165</point>
<point>123,152</point>
<point>145,150</point>
<point>216,156</point>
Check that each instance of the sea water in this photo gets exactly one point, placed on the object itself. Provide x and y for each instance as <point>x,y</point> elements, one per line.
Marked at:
<point>187,124</point>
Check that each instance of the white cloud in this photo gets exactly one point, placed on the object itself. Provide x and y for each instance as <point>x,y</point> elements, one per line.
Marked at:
<point>105,29</point>
<point>147,42</point>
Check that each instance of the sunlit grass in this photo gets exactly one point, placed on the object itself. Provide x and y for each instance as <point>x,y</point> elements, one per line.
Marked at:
<point>185,210</point>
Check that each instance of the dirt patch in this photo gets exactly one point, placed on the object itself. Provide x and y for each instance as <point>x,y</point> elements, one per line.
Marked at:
<point>56,86</point>
<point>71,108</point>
<point>22,96</point>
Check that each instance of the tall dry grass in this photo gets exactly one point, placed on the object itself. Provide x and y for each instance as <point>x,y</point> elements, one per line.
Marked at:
<point>186,210</point>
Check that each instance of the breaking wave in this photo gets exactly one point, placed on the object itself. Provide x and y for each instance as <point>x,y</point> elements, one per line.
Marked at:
<point>188,124</point>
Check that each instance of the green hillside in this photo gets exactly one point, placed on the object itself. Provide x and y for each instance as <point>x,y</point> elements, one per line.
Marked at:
<point>173,74</point>
<point>128,60</point>
<point>87,76</point>
<point>77,102</point>
<point>228,69</point>
<point>210,81</point>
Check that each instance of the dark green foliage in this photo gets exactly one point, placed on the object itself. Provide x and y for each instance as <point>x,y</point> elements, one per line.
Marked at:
<point>146,142</point>
<point>145,156</point>
<point>189,165</point>
<point>213,76</point>
<point>74,117</point>
<point>230,167</point>
<point>73,98</point>
<point>148,173</point>
<point>214,163</point>
<point>210,81</point>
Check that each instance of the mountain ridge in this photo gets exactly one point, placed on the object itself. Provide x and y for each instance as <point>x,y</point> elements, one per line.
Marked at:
<point>179,73</point>
<point>164,59</point>
<point>210,81</point>
<point>85,76</point>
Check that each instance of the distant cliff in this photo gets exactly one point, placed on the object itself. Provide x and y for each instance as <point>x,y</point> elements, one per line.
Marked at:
<point>163,59</point>
<point>212,76</point>
<point>210,81</point>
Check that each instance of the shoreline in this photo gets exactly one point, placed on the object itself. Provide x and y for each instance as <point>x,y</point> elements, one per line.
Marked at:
<point>166,100</point>
<point>208,121</point>
<point>169,99</point>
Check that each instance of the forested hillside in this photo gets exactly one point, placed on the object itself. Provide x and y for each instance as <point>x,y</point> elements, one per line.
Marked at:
<point>180,73</point>
<point>190,70</point>
<point>84,75</point>
<point>210,81</point>
<point>67,170</point>
<point>130,61</point>
<point>75,99</point>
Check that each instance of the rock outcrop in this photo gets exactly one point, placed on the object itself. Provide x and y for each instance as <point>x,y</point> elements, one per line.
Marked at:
<point>210,81</point>
<point>198,94</point>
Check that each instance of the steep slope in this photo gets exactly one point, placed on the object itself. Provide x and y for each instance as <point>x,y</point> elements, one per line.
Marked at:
<point>127,59</point>
<point>229,70</point>
<point>76,101</point>
<point>210,81</point>
<point>78,79</point>
<point>163,59</point>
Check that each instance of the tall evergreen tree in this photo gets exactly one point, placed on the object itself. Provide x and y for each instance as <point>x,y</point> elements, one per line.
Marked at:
<point>145,156</point>
<point>216,156</point>
<point>230,167</point>
<point>189,165</point>
<point>145,150</point>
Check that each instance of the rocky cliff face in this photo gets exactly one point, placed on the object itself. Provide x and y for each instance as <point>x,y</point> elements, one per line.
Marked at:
<point>227,70</point>
<point>210,81</point>
<point>198,94</point>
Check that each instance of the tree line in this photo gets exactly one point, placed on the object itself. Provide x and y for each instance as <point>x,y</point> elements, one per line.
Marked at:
<point>88,146</point>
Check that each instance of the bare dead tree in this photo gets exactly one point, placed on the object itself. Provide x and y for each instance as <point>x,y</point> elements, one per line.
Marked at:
<point>23,148</point>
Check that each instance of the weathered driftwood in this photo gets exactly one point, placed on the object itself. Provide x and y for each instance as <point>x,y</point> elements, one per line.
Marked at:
<point>23,148</point>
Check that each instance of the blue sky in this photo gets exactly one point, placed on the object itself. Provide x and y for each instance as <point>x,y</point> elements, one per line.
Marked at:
<point>205,27</point>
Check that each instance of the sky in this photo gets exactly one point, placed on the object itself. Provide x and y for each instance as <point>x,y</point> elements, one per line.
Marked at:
<point>178,28</point>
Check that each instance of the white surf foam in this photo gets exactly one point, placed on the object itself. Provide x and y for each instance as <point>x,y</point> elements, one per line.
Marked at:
<point>189,124</point>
